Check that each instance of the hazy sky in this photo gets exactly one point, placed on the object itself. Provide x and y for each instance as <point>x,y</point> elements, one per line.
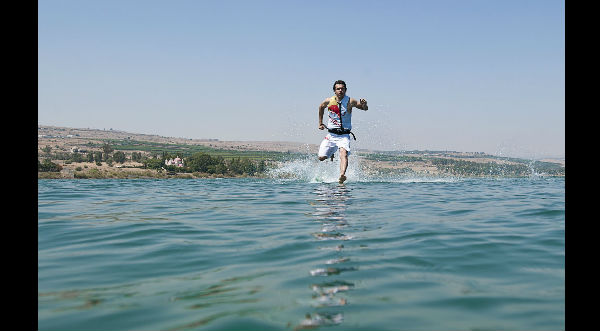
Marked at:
<point>474,76</point>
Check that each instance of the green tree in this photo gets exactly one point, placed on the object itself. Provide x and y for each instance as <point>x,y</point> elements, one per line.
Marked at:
<point>261,167</point>
<point>235,166</point>
<point>119,157</point>
<point>107,149</point>
<point>248,167</point>
<point>48,166</point>
<point>202,162</point>
<point>221,168</point>
<point>98,157</point>
<point>136,156</point>
<point>153,163</point>
<point>76,157</point>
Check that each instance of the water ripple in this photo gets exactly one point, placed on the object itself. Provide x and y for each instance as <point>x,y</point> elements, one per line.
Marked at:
<point>274,254</point>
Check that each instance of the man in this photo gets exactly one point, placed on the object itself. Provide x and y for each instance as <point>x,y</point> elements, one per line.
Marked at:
<point>339,124</point>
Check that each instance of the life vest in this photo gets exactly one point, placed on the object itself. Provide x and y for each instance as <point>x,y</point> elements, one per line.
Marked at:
<point>340,119</point>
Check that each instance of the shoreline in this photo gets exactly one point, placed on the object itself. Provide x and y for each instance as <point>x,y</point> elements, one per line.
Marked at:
<point>66,142</point>
<point>106,172</point>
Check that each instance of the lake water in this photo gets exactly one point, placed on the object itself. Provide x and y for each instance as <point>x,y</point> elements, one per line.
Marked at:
<point>406,253</point>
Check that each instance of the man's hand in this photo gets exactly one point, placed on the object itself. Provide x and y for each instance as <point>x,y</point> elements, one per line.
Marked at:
<point>321,126</point>
<point>363,104</point>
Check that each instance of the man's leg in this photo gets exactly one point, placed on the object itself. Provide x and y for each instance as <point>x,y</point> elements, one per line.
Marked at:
<point>326,149</point>
<point>343,164</point>
<point>323,149</point>
<point>323,158</point>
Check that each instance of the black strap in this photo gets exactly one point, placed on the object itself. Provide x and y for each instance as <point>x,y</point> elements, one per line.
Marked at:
<point>340,109</point>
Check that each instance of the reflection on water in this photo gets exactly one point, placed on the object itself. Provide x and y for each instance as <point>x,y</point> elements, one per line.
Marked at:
<point>330,205</point>
<point>241,254</point>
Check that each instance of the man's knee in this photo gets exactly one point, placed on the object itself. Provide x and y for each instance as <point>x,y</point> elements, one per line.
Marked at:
<point>343,152</point>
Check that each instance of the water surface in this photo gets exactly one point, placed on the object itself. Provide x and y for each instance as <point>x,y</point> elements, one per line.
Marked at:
<point>274,254</point>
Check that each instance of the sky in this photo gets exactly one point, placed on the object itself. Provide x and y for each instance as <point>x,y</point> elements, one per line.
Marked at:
<point>462,75</point>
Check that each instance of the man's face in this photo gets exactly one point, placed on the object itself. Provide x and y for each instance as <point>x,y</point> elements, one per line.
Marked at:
<point>340,91</point>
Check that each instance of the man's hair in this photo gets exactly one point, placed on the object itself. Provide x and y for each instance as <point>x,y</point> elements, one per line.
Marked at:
<point>339,82</point>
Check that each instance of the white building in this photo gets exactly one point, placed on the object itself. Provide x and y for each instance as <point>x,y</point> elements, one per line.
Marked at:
<point>176,162</point>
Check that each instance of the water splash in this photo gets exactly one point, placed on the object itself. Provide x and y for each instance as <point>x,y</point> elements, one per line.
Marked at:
<point>309,169</point>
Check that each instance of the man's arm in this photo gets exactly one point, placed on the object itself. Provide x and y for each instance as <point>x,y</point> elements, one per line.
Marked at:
<point>322,107</point>
<point>362,104</point>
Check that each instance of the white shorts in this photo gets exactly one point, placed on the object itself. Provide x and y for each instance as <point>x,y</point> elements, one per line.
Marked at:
<point>332,142</point>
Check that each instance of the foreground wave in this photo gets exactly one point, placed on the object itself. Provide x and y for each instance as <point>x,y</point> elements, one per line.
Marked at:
<point>298,253</point>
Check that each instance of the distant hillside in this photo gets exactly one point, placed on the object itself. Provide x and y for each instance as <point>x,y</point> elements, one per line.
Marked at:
<point>70,146</point>
<point>79,135</point>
